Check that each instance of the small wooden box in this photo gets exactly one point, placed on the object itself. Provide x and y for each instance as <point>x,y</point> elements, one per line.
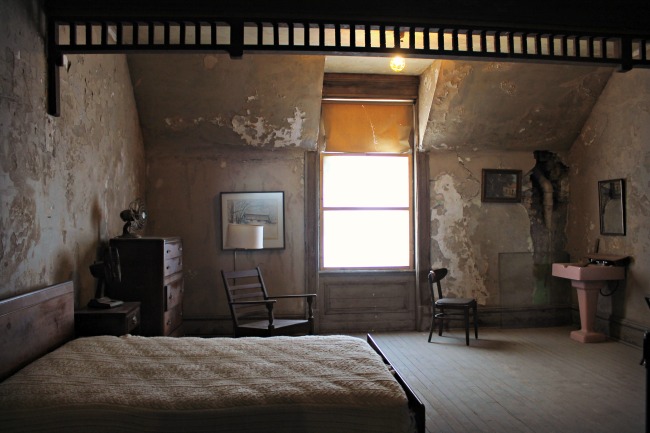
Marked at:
<point>120,320</point>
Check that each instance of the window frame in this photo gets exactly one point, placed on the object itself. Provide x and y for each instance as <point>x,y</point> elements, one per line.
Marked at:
<point>410,208</point>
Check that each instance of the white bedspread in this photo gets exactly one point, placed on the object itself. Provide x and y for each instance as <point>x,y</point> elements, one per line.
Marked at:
<point>137,384</point>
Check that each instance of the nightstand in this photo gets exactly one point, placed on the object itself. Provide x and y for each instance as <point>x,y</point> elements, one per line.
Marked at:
<point>120,320</point>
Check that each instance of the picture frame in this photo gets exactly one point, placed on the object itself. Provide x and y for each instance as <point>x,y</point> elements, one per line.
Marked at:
<point>254,208</point>
<point>611,207</point>
<point>501,186</point>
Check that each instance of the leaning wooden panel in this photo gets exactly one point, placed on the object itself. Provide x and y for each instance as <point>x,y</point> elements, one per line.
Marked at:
<point>33,324</point>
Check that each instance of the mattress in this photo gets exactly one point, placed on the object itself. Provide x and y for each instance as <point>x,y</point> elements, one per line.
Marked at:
<point>145,384</point>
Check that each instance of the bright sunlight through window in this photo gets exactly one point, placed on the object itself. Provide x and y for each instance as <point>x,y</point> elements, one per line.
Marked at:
<point>366,211</point>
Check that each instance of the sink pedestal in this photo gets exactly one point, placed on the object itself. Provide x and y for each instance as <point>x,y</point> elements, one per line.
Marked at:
<point>588,281</point>
<point>588,303</point>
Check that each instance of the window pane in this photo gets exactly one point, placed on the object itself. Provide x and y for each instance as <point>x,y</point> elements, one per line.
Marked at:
<point>363,239</point>
<point>365,181</point>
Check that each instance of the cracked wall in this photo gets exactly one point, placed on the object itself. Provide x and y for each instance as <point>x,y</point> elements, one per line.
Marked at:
<point>63,181</point>
<point>470,237</point>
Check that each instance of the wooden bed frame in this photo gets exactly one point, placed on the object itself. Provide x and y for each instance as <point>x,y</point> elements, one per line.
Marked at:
<point>33,324</point>
<point>414,402</point>
<point>39,322</point>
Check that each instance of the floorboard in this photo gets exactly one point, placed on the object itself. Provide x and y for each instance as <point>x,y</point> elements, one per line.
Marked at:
<point>521,380</point>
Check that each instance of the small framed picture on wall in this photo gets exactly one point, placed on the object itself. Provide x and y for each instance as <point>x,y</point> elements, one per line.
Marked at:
<point>501,186</point>
<point>265,209</point>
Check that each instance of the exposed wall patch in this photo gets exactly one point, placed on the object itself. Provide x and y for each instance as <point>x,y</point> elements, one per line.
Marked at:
<point>260,132</point>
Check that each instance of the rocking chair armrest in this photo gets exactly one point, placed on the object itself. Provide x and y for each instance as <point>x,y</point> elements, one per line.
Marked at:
<point>309,296</point>
<point>310,300</point>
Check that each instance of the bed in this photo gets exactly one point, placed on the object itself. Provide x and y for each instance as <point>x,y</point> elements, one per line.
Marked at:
<point>164,384</point>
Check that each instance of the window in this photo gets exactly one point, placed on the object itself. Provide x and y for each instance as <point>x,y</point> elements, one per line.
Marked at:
<point>366,187</point>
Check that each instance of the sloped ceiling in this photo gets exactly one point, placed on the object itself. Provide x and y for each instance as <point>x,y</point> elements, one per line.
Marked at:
<point>510,106</point>
<point>274,101</point>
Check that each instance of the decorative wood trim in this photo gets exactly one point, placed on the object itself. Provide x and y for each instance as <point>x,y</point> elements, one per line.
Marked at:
<point>312,216</point>
<point>370,86</point>
<point>422,30</point>
<point>423,237</point>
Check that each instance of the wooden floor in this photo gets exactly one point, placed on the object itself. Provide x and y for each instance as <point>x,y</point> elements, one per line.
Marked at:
<point>521,380</point>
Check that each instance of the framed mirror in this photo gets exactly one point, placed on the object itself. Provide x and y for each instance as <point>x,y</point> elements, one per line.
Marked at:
<point>611,203</point>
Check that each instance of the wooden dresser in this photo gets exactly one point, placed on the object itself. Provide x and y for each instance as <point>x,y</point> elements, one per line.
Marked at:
<point>121,320</point>
<point>152,274</point>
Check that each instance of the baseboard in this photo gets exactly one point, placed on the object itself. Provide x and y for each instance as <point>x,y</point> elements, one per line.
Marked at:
<point>524,317</point>
<point>617,328</point>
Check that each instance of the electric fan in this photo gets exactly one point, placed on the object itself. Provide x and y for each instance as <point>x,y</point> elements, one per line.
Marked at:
<point>134,217</point>
<point>107,271</point>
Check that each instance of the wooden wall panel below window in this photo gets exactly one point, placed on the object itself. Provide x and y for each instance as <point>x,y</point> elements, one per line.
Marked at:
<point>366,301</point>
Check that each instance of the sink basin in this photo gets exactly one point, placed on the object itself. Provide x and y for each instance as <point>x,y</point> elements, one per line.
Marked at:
<point>574,271</point>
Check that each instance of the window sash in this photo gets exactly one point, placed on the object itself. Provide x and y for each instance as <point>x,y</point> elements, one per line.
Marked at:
<point>369,218</point>
<point>363,181</point>
<point>361,240</point>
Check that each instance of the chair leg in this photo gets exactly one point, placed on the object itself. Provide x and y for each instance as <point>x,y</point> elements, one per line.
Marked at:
<point>433,324</point>
<point>441,321</point>
<point>475,322</point>
<point>467,326</point>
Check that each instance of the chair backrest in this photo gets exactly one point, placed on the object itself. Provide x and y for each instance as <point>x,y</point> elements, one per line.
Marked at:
<point>246,285</point>
<point>435,275</point>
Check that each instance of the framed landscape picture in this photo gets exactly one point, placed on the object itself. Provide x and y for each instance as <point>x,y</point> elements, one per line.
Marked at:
<point>254,208</point>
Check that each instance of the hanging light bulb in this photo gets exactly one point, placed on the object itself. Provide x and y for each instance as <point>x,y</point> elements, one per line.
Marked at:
<point>397,63</point>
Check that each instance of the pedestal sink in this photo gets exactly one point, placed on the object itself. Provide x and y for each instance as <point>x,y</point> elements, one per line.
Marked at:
<point>588,280</point>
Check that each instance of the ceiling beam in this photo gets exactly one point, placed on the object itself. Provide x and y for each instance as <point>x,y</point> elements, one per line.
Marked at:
<point>620,17</point>
<point>578,31</point>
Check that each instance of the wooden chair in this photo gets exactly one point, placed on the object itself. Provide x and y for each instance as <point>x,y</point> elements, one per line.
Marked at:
<point>251,307</point>
<point>460,307</point>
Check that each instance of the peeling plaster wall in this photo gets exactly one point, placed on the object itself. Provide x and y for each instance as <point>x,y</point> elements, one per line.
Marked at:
<point>469,237</point>
<point>615,143</point>
<point>510,106</point>
<point>259,101</point>
<point>63,181</point>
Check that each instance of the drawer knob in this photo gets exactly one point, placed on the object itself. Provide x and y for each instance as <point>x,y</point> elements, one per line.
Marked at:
<point>134,320</point>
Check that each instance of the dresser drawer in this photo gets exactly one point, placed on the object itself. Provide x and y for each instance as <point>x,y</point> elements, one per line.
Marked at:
<point>172,319</point>
<point>173,265</point>
<point>173,291</point>
<point>132,320</point>
<point>173,249</point>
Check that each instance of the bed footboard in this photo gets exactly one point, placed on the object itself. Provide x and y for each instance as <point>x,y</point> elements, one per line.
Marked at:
<point>414,402</point>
